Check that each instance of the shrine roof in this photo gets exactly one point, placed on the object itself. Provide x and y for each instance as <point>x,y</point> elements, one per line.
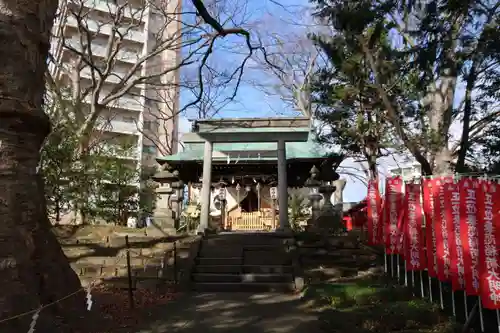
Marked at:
<point>248,151</point>
<point>292,129</point>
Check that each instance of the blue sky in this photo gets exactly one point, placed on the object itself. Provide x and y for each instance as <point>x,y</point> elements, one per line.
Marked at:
<point>264,18</point>
<point>267,20</point>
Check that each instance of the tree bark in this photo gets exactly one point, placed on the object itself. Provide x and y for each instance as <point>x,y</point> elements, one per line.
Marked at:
<point>33,269</point>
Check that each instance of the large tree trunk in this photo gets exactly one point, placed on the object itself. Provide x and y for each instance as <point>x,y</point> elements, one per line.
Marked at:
<point>33,269</point>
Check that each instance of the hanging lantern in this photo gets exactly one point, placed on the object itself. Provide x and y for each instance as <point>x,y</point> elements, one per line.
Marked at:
<point>238,188</point>
<point>248,188</point>
<point>258,195</point>
<point>222,193</point>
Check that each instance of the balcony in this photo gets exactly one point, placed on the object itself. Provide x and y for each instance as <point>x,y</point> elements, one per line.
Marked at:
<point>114,78</point>
<point>125,102</point>
<point>99,50</point>
<point>135,35</point>
<point>119,153</point>
<point>120,126</point>
<point>105,6</point>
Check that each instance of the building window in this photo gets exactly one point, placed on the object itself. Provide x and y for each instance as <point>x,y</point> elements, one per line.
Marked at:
<point>149,149</point>
<point>129,119</point>
<point>150,125</point>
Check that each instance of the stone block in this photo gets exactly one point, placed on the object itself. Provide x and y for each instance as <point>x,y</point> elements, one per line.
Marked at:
<point>140,241</point>
<point>91,270</point>
<point>77,251</point>
<point>121,271</point>
<point>117,241</point>
<point>156,261</point>
<point>108,271</point>
<point>101,261</point>
<point>165,246</point>
<point>149,272</point>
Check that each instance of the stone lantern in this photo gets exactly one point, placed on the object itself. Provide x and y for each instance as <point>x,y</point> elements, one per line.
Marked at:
<point>172,186</point>
<point>313,183</point>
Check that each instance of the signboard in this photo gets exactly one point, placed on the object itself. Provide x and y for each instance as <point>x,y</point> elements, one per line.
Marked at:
<point>273,191</point>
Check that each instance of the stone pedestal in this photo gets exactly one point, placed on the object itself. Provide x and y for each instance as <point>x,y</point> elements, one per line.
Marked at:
<point>329,219</point>
<point>315,200</point>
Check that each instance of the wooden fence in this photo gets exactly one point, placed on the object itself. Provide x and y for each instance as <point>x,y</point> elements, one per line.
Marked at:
<point>253,221</point>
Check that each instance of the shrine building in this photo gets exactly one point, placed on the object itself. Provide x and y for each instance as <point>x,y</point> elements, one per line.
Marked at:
<point>240,170</point>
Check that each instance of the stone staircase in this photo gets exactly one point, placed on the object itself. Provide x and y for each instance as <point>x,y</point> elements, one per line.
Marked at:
<point>245,262</point>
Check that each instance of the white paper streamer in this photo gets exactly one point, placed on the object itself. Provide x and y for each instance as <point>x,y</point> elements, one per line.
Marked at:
<point>89,297</point>
<point>34,319</point>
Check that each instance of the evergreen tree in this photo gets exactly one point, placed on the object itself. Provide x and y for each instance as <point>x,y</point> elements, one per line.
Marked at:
<point>417,55</point>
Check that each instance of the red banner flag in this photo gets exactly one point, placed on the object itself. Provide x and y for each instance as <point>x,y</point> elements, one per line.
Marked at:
<point>441,230</point>
<point>430,232</point>
<point>392,212</point>
<point>469,233</point>
<point>452,217</point>
<point>414,250</point>
<point>415,256</point>
<point>402,221</point>
<point>374,217</point>
<point>489,242</point>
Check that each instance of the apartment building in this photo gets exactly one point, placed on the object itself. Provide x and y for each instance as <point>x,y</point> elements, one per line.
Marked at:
<point>145,114</point>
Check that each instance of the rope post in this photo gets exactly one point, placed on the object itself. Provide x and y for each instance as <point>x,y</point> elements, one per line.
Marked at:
<point>175,263</point>
<point>129,275</point>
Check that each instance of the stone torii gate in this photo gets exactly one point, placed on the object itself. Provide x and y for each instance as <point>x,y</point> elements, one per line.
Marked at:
<point>279,130</point>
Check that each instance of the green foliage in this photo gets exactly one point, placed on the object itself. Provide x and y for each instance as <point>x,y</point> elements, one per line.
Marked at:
<point>298,210</point>
<point>94,184</point>
<point>375,306</point>
<point>393,76</point>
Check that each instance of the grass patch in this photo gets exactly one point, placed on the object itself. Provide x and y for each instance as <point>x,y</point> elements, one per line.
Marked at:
<point>377,306</point>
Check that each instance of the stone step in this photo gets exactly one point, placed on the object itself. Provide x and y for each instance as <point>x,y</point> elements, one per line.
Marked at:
<point>243,287</point>
<point>238,248</point>
<point>233,261</point>
<point>234,269</point>
<point>246,240</point>
<point>245,278</point>
<point>254,259</point>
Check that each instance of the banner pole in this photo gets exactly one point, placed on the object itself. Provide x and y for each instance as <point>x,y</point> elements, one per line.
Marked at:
<point>481,319</point>
<point>498,320</point>
<point>398,268</point>
<point>422,284</point>
<point>413,282</point>
<point>441,295</point>
<point>406,276</point>
<point>392,265</point>
<point>453,308</point>
<point>385,263</point>
<point>466,306</point>
<point>431,298</point>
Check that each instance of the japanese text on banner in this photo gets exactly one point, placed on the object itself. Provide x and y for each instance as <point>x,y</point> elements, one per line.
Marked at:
<point>489,241</point>
<point>441,231</point>
<point>452,217</point>
<point>393,210</point>
<point>414,256</point>
<point>469,233</point>
<point>430,232</point>
<point>373,210</point>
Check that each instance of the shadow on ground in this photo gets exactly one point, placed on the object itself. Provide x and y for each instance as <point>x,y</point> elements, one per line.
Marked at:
<point>231,312</point>
<point>377,305</point>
